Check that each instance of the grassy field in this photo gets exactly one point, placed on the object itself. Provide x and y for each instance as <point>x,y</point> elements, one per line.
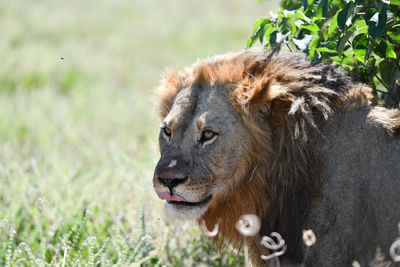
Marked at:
<point>78,127</point>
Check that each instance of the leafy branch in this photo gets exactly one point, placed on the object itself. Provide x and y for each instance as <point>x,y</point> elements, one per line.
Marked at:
<point>362,36</point>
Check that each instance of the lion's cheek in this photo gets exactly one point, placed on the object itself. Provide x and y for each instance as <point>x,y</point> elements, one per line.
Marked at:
<point>226,165</point>
<point>225,179</point>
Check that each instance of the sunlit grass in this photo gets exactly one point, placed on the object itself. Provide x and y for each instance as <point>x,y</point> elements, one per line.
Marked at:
<point>78,127</point>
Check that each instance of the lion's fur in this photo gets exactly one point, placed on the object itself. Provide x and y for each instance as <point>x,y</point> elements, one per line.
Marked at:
<point>290,107</point>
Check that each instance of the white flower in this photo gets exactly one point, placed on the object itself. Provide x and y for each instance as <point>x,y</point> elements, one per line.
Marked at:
<point>278,247</point>
<point>248,225</point>
<point>309,237</point>
<point>41,203</point>
<point>207,232</point>
<point>395,251</point>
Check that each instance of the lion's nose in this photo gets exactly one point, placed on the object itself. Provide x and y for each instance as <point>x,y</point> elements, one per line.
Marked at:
<point>171,171</point>
<point>172,182</point>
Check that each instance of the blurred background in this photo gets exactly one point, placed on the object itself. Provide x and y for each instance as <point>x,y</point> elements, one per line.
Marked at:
<point>79,126</point>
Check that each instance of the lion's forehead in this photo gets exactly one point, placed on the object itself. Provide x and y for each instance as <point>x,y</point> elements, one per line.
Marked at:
<point>197,106</point>
<point>184,104</point>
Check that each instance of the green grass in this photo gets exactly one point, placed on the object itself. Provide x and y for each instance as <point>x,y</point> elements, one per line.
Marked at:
<point>78,127</point>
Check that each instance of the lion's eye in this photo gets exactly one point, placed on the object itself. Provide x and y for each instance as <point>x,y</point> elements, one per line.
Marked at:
<point>206,135</point>
<point>167,131</point>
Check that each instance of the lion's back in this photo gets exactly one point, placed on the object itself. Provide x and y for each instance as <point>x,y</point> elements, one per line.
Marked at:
<point>359,207</point>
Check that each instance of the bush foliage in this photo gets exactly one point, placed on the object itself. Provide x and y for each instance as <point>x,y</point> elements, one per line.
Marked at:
<point>362,36</point>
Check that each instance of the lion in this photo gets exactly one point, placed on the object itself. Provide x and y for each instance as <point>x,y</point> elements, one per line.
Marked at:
<point>299,144</point>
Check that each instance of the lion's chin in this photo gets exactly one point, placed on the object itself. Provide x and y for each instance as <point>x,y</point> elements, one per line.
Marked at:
<point>184,212</point>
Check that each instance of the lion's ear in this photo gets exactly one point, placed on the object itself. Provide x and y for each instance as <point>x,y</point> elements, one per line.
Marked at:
<point>264,91</point>
<point>263,95</point>
<point>171,83</point>
<point>260,93</point>
<point>258,96</point>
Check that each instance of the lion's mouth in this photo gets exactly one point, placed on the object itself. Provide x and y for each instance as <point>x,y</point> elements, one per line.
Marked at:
<point>190,204</point>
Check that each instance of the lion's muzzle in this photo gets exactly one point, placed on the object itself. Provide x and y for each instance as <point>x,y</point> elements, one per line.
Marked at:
<point>171,172</point>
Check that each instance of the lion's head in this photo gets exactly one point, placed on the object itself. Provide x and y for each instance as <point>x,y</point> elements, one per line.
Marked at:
<point>237,134</point>
<point>207,147</point>
<point>204,145</point>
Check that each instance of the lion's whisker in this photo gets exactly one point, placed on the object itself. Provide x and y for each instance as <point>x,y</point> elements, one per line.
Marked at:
<point>254,170</point>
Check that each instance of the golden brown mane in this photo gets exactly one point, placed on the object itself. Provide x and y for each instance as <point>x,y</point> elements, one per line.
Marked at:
<point>285,102</point>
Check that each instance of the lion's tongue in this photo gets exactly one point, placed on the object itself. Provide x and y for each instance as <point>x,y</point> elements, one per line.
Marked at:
<point>168,196</point>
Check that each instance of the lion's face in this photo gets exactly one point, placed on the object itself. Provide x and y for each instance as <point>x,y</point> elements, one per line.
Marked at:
<point>201,141</point>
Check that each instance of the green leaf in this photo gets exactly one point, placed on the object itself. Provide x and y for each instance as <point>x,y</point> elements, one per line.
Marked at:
<point>322,10</point>
<point>313,45</point>
<point>304,3</point>
<point>257,24</point>
<point>280,21</point>
<point>310,26</point>
<point>291,25</point>
<point>344,14</point>
<point>380,49</point>
<point>326,50</point>
<point>336,59</point>
<point>390,50</point>
<point>371,65</point>
<point>387,72</point>
<point>258,31</point>
<point>343,40</point>
<point>395,2</point>
<point>269,28</point>
<point>360,45</point>
<point>395,36</point>
<point>333,24</point>
<point>274,38</point>
<point>296,14</point>
<point>348,60</point>
<point>250,42</point>
<point>261,29</point>
<point>377,22</point>
<point>362,26</point>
